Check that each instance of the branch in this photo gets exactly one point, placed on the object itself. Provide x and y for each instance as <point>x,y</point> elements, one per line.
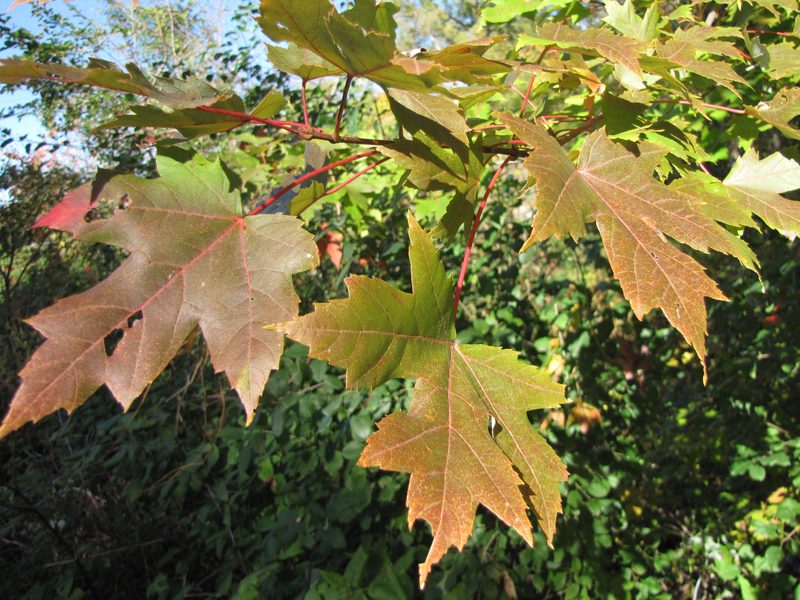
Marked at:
<point>465,262</point>
<point>306,120</point>
<point>567,136</point>
<point>315,133</point>
<point>346,90</point>
<point>310,175</point>
<point>735,111</point>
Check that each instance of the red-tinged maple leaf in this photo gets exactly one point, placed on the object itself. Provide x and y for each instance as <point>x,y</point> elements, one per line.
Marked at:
<point>634,213</point>
<point>456,462</point>
<point>194,260</point>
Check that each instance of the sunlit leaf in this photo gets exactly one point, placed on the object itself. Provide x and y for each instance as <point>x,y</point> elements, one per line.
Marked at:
<point>444,441</point>
<point>195,260</point>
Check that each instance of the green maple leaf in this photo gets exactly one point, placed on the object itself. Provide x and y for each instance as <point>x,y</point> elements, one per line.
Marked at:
<point>194,260</point>
<point>444,441</point>
<point>175,93</point>
<point>624,19</point>
<point>687,47</point>
<point>603,42</point>
<point>347,40</point>
<point>191,122</point>
<point>431,167</point>
<point>781,60</point>
<point>780,111</point>
<point>304,63</point>
<point>634,213</point>
<point>754,186</point>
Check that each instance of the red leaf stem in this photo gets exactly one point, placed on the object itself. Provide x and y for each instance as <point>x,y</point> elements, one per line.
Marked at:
<point>339,114</point>
<point>465,262</point>
<point>783,33</point>
<point>285,125</point>
<point>735,111</point>
<point>352,178</point>
<point>310,175</point>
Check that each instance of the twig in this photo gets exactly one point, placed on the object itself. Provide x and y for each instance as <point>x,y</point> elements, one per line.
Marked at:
<point>352,178</point>
<point>310,175</point>
<point>343,103</point>
<point>765,31</point>
<point>735,111</point>
<point>578,130</point>
<point>315,133</point>
<point>465,261</point>
<point>306,120</point>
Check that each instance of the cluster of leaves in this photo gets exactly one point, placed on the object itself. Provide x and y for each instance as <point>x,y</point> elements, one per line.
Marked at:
<point>205,254</point>
<point>175,498</point>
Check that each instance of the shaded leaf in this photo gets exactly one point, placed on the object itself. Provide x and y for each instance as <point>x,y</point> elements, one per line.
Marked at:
<point>175,93</point>
<point>195,259</point>
<point>301,62</point>
<point>190,122</point>
<point>346,44</point>
<point>435,115</point>
<point>444,441</point>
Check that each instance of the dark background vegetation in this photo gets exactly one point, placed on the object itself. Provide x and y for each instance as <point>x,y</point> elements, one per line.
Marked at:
<point>676,489</point>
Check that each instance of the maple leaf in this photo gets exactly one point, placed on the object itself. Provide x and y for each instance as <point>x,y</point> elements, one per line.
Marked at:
<point>782,60</point>
<point>603,42</point>
<point>634,213</point>
<point>444,441</point>
<point>685,46</point>
<point>192,122</point>
<point>175,93</point>
<point>194,260</point>
<point>431,167</point>
<point>780,111</point>
<point>752,187</point>
<point>347,40</point>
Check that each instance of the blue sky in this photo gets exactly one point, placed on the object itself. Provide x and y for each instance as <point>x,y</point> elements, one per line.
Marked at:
<point>21,16</point>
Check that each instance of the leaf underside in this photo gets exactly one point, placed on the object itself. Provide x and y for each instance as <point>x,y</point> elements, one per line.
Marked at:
<point>636,214</point>
<point>194,260</point>
<point>444,441</point>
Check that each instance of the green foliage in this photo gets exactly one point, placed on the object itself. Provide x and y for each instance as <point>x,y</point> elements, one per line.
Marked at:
<point>669,126</point>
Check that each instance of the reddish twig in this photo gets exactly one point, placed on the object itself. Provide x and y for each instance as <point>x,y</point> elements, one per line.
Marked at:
<point>567,136</point>
<point>765,31</point>
<point>303,178</point>
<point>527,95</point>
<point>315,133</point>
<point>703,168</point>
<point>735,111</point>
<point>465,261</point>
<point>305,105</point>
<point>343,103</point>
<point>285,125</point>
<point>352,178</point>
<point>532,80</point>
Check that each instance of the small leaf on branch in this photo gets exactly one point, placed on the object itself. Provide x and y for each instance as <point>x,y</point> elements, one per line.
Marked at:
<point>444,441</point>
<point>195,260</point>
